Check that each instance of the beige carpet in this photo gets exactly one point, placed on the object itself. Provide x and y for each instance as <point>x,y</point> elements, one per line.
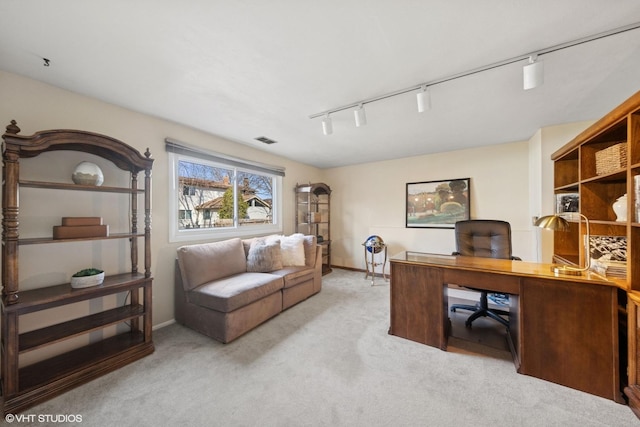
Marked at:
<point>327,362</point>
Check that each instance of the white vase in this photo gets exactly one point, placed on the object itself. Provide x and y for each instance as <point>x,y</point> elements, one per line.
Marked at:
<point>620,208</point>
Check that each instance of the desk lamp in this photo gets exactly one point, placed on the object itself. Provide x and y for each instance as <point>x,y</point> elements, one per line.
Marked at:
<point>557,222</point>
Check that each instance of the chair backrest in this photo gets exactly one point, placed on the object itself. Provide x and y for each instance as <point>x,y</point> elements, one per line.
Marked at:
<point>484,238</point>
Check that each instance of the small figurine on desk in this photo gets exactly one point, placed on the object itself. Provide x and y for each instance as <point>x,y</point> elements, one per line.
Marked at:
<point>374,245</point>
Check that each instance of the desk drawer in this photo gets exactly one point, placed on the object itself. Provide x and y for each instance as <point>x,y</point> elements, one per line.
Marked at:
<point>487,281</point>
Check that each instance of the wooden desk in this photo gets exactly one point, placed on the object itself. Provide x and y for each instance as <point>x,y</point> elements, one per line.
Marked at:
<point>562,329</point>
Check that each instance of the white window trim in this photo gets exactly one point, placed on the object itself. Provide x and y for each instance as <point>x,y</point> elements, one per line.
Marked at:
<point>189,235</point>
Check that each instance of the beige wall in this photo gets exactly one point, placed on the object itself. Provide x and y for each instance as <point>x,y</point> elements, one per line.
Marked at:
<point>542,145</point>
<point>508,181</point>
<point>37,106</point>
<point>370,199</point>
<point>512,182</point>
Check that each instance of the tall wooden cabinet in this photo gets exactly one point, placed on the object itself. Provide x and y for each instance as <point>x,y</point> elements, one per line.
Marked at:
<point>26,384</point>
<point>578,168</point>
<point>313,216</point>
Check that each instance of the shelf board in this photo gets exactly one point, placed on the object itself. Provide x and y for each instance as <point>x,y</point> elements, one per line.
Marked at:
<point>619,175</point>
<point>568,188</point>
<point>40,240</point>
<point>54,333</point>
<point>605,222</point>
<point>53,296</point>
<point>77,187</point>
<point>64,365</point>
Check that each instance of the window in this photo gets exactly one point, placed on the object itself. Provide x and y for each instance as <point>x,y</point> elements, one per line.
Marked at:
<point>220,197</point>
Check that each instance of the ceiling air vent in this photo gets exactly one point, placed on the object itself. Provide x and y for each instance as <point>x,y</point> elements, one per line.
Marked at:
<point>266,140</point>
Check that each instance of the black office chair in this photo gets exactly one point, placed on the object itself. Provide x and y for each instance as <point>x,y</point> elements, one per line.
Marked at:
<point>489,239</point>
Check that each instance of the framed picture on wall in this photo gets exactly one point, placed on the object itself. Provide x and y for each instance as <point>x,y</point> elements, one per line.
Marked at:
<point>437,204</point>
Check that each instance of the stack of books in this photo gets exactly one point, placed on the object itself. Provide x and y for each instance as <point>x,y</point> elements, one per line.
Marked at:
<point>612,269</point>
<point>77,227</point>
<point>609,256</point>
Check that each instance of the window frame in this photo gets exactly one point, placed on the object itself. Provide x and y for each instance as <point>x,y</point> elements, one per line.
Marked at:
<point>186,235</point>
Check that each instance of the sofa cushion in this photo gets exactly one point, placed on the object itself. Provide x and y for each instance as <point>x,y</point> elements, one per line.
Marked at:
<point>264,256</point>
<point>206,262</point>
<point>230,293</point>
<point>294,275</point>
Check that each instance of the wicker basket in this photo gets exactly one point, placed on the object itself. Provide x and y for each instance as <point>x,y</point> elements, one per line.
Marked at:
<point>611,159</point>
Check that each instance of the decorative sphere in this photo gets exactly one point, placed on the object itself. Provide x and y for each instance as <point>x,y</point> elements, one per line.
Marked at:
<point>87,173</point>
<point>374,244</point>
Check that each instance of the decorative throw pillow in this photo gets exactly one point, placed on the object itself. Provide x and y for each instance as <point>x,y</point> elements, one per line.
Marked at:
<point>292,250</point>
<point>264,256</point>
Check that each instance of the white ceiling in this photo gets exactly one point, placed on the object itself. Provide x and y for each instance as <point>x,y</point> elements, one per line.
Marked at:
<point>244,69</point>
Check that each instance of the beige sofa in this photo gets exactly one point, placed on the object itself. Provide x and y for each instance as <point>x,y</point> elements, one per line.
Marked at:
<point>225,289</point>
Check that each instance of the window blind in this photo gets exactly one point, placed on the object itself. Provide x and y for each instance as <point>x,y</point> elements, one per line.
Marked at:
<point>178,147</point>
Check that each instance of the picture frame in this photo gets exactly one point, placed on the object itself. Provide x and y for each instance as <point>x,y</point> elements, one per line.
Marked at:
<point>567,202</point>
<point>437,204</point>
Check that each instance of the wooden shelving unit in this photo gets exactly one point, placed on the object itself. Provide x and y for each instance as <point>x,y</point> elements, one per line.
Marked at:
<point>25,386</point>
<point>575,172</point>
<point>313,201</point>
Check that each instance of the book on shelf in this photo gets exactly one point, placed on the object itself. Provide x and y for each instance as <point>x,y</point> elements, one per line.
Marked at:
<point>636,190</point>
<point>79,231</point>
<point>73,221</point>
<point>612,269</point>
<point>609,256</point>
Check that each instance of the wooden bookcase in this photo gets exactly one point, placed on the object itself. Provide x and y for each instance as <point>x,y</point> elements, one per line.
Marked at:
<point>313,216</point>
<point>25,386</point>
<point>575,172</point>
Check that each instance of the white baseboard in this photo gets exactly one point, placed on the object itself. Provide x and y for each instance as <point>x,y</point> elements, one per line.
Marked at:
<point>163,324</point>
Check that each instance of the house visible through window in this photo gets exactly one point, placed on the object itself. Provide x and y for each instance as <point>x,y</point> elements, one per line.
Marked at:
<point>222,200</point>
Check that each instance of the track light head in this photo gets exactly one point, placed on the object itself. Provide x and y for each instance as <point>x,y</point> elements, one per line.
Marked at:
<point>424,99</point>
<point>327,126</point>
<point>533,73</point>
<point>360,116</point>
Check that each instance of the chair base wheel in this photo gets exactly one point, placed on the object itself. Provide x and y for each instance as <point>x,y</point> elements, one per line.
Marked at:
<point>481,310</point>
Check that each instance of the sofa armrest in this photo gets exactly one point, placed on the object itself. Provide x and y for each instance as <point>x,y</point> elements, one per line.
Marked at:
<point>318,263</point>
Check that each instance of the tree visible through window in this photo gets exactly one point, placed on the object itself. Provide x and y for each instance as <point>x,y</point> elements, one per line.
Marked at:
<point>222,197</point>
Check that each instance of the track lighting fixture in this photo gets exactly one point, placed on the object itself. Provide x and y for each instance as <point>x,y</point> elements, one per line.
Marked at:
<point>533,73</point>
<point>533,76</point>
<point>327,126</point>
<point>424,99</point>
<point>361,117</point>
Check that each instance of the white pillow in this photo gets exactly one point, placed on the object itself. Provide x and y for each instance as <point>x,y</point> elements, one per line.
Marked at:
<point>264,256</point>
<point>292,248</point>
